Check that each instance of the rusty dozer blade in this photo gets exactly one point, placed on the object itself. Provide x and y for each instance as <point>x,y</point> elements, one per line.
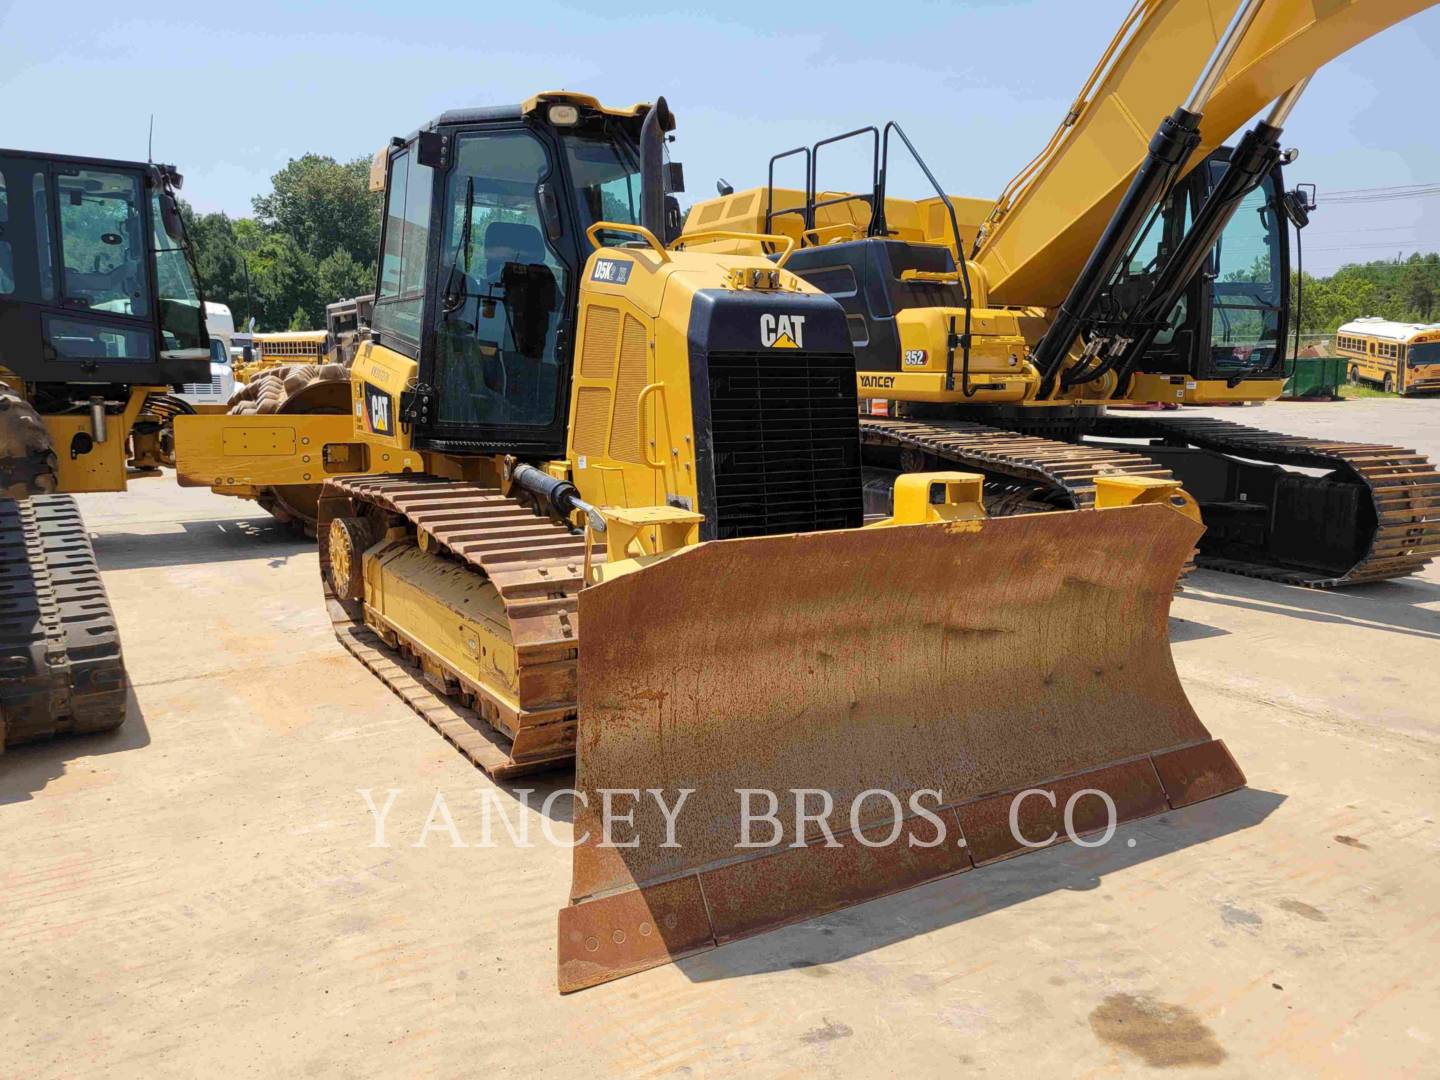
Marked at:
<point>956,665</point>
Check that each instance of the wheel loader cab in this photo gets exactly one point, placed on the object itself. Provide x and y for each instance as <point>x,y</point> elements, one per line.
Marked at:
<point>100,314</point>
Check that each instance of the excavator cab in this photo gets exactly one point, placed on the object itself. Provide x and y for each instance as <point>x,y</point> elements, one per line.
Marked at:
<point>1231,323</point>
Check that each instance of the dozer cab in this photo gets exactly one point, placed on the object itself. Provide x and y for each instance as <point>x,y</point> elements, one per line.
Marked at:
<point>608,509</point>
<point>100,317</point>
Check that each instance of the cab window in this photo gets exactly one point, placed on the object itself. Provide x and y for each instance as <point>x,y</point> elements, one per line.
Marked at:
<point>26,271</point>
<point>502,288</point>
<point>102,241</point>
<point>606,177</point>
<point>7,251</point>
<point>182,322</point>
<point>401,297</point>
<point>1245,310</point>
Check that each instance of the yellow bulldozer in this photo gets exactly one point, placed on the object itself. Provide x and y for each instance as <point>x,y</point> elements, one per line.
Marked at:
<point>568,422</point>
<point>1113,271</point>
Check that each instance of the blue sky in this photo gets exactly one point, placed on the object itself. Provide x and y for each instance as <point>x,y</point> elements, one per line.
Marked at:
<point>239,89</point>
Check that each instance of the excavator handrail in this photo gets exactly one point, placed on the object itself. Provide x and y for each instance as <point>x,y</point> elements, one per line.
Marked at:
<point>593,235</point>
<point>729,234</point>
<point>803,210</point>
<point>953,339</point>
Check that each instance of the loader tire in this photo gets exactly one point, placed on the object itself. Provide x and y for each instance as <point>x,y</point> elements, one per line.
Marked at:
<point>317,389</point>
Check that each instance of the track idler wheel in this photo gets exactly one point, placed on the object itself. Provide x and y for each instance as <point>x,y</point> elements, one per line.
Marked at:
<point>347,541</point>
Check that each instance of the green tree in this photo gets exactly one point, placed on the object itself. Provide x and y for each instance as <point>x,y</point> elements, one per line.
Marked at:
<point>341,276</point>
<point>312,241</point>
<point>324,206</point>
<point>1405,290</point>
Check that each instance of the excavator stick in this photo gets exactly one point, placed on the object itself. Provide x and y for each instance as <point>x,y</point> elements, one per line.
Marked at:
<point>866,676</point>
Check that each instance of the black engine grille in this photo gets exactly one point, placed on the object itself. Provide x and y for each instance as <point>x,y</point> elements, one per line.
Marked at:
<point>786,442</point>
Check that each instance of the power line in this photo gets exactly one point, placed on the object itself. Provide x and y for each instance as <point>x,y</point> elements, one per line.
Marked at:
<point>1384,194</point>
<point>1372,247</point>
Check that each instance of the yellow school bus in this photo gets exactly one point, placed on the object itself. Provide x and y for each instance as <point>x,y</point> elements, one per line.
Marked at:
<point>284,347</point>
<point>1400,357</point>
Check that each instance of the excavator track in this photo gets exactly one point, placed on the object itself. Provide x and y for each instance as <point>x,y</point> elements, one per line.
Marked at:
<point>1403,487</point>
<point>1064,473</point>
<point>536,567</point>
<point>61,671</point>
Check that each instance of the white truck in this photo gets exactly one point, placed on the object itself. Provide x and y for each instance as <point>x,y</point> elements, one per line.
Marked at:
<point>215,393</point>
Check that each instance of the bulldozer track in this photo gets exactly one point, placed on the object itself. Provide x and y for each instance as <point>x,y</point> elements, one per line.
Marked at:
<point>61,671</point>
<point>1404,487</point>
<point>536,567</point>
<point>1067,471</point>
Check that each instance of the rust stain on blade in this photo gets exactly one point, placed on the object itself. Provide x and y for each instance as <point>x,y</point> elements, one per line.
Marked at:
<point>800,883</point>
<point>913,660</point>
<point>1196,773</point>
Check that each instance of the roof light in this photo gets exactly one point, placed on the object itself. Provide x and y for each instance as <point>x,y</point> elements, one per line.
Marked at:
<point>564,115</point>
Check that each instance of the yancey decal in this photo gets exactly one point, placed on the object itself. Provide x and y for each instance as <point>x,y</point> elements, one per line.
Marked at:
<point>611,271</point>
<point>877,382</point>
<point>782,331</point>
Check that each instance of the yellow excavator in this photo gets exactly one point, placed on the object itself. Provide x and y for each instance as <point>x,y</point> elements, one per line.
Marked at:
<point>1119,267</point>
<point>600,499</point>
<point>100,318</point>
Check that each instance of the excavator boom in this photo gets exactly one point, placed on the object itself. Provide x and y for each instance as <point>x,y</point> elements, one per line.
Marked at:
<point>1049,219</point>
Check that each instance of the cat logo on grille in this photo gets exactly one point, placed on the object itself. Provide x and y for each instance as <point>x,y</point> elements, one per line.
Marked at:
<point>782,331</point>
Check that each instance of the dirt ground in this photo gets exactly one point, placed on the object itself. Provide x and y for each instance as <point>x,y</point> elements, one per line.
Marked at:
<point>198,893</point>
